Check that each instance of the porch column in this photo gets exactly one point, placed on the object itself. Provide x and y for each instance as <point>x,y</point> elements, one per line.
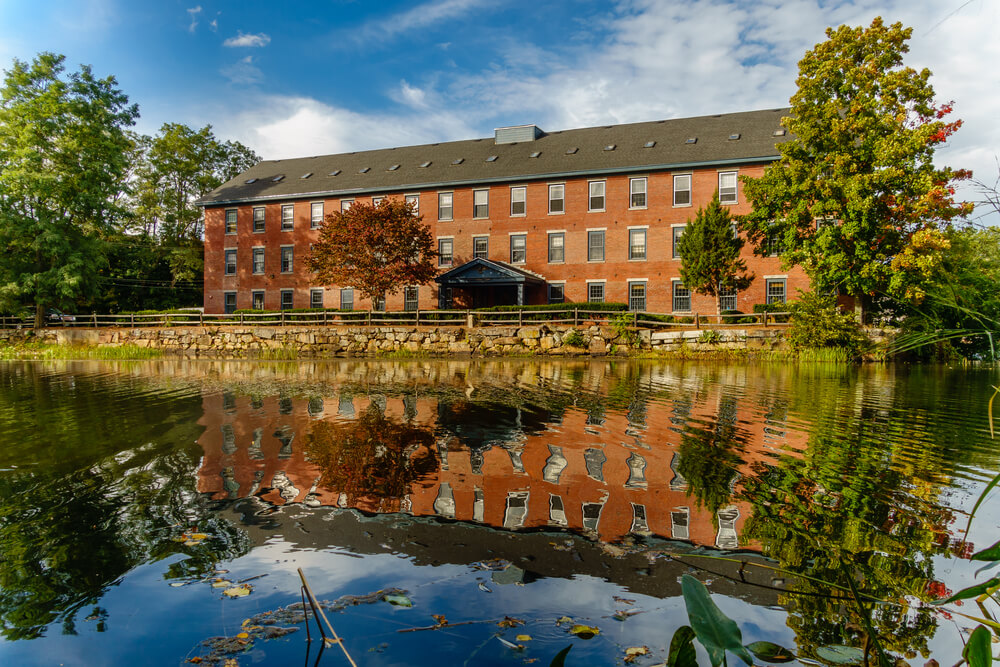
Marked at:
<point>520,294</point>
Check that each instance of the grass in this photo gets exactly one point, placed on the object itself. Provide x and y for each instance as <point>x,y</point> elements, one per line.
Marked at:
<point>38,350</point>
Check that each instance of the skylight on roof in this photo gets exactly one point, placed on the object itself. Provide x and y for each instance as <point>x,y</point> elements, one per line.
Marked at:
<point>734,136</point>
<point>610,147</point>
<point>306,175</point>
<point>425,164</point>
<point>535,154</point>
<point>278,178</point>
<point>458,160</point>
<point>364,170</point>
<point>491,158</point>
<point>393,167</point>
<point>778,133</point>
<point>251,180</point>
<point>649,144</point>
<point>570,151</point>
<point>335,172</point>
<point>692,140</point>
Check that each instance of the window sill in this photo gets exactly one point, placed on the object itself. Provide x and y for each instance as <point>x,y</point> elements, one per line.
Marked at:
<point>557,212</point>
<point>638,208</point>
<point>637,259</point>
<point>518,215</point>
<point>596,210</point>
<point>557,261</point>
<point>595,261</point>
<point>682,205</point>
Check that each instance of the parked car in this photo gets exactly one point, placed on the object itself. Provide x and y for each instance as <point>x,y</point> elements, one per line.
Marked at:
<point>56,315</point>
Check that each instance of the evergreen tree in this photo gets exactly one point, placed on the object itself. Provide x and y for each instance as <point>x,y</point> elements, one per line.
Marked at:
<point>710,252</point>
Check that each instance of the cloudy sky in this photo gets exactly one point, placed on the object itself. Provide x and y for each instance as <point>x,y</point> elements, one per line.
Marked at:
<point>346,75</point>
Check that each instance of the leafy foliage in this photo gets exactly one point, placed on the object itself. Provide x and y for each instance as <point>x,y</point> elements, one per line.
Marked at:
<point>817,322</point>
<point>856,187</point>
<point>377,249</point>
<point>710,252</point>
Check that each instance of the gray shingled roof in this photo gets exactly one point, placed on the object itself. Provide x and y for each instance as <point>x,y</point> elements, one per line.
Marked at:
<point>398,169</point>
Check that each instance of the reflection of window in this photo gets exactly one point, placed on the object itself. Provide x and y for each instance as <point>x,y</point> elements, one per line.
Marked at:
<point>476,460</point>
<point>592,515</point>
<point>478,505</point>
<point>727,538</point>
<point>228,439</point>
<point>285,437</point>
<point>679,523</point>
<point>639,524</point>
<point>345,405</point>
<point>557,513</point>
<point>515,459</point>
<point>255,451</point>
<point>677,483</point>
<point>315,407</point>
<point>636,472</point>
<point>228,402</point>
<point>444,504</point>
<point>517,509</point>
<point>554,465</point>
<point>595,458</point>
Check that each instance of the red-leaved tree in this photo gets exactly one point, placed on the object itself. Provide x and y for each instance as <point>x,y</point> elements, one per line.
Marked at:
<point>376,249</point>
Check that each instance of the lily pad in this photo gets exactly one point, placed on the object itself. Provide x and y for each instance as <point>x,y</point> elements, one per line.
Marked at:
<point>633,653</point>
<point>841,655</point>
<point>584,631</point>
<point>221,583</point>
<point>523,638</point>
<point>562,620</point>
<point>398,600</point>
<point>770,652</point>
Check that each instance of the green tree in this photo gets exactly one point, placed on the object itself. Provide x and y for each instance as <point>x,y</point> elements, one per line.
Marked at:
<point>63,148</point>
<point>377,249</point>
<point>710,252</point>
<point>856,182</point>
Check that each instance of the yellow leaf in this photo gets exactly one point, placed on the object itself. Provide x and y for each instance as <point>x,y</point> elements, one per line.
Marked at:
<point>243,635</point>
<point>584,631</point>
<point>198,536</point>
<point>221,583</point>
<point>524,638</point>
<point>238,591</point>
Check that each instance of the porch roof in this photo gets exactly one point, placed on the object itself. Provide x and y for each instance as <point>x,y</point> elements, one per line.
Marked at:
<point>485,273</point>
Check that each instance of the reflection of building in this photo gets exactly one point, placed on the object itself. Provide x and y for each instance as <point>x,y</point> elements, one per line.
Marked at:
<point>610,473</point>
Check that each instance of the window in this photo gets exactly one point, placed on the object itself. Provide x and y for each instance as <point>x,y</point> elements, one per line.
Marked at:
<point>287,299</point>
<point>231,262</point>
<point>637,244</point>
<point>595,246</point>
<point>258,220</point>
<point>557,247</point>
<point>557,292</point>
<point>678,232</point>
<point>596,202</point>
<point>316,298</point>
<point>480,203</point>
<point>347,298</point>
<point>445,296</point>
<point>595,292</point>
<point>775,290</point>
<point>557,198</point>
<point>410,299</point>
<point>682,190</point>
<point>258,260</point>
<point>379,303</point>
<point>727,187</point>
<point>518,248</point>
<point>345,205</point>
<point>229,302</point>
<point>518,196</point>
<point>682,297</point>
<point>444,206</point>
<point>257,300</point>
<point>481,247</point>
<point>231,221</point>
<point>377,199</point>
<point>727,299</point>
<point>286,258</point>
<point>414,201</point>
<point>287,217</point>
<point>316,214</point>
<point>445,247</point>
<point>637,193</point>
<point>637,296</point>
<point>773,244</point>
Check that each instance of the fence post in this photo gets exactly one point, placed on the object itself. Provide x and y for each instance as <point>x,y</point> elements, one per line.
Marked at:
<point>417,320</point>
<point>697,324</point>
<point>763,318</point>
<point>201,318</point>
<point>576,317</point>
<point>520,317</point>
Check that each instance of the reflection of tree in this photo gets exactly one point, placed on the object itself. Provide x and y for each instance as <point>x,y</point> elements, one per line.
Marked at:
<point>707,458</point>
<point>371,458</point>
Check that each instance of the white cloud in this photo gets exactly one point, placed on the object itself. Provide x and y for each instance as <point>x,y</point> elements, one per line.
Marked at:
<point>421,16</point>
<point>253,40</point>
<point>214,25</point>
<point>243,72</point>
<point>194,12</point>
<point>410,96</point>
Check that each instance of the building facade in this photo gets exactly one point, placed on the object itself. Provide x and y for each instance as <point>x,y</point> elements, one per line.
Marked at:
<point>591,214</point>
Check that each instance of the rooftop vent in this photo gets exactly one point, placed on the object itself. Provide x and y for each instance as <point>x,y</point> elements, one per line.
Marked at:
<point>692,140</point>
<point>278,178</point>
<point>393,167</point>
<point>458,160</point>
<point>512,135</point>
<point>335,172</point>
<point>492,158</point>
<point>570,151</point>
<point>535,154</point>
<point>778,133</point>
<point>251,180</point>
<point>610,147</point>
<point>425,164</point>
<point>734,136</point>
<point>649,144</point>
<point>307,175</point>
<point>364,170</point>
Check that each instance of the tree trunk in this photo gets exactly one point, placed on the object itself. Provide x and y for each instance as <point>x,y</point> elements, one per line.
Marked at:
<point>39,316</point>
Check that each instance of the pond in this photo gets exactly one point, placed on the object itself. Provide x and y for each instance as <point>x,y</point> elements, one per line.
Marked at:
<point>480,512</point>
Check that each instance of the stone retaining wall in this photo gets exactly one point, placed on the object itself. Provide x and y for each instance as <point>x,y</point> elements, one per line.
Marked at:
<point>315,341</point>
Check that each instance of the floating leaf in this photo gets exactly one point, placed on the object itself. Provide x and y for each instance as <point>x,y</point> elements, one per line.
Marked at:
<point>398,600</point>
<point>178,584</point>
<point>192,543</point>
<point>560,659</point>
<point>622,600</point>
<point>971,591</point>
<point>717,632</point>
<point>989,553</point>
<point>238,591</point>
<point>562,620</point>
<point>484,588</point>
<point>622,614</point>
<point>199,536</point>
<point>682,653</point>
<point>510,645</point>
<point>523,638</point>
<point>510,622</point>
<point>221,583</point>
<point>977,649</point>
<point>440,619</point>
<point>770,652</point>
<point>841,655</point>
<point>632,653</point>
<point>584,631</point>
<point>243,635</point>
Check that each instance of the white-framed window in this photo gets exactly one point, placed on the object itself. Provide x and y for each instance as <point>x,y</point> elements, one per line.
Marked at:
<point>682,189</point>
<point>287,299</point>
<point>480,203</point>
<point>287,256</point>
<point>229,302</point>
<point>480,247</point>
<point>347,298</point>
<point>727,187</point>
<point>377,199</point>
<point>637,295</point>
<point>379,303</point>
<point>258,260</point>
<point>557,198</point>
<point>775,290</point>
<point>345,205</point>
<point>411,298</point>
<point>595,292</point>
<point>682,297</point>
<point>287,217</point>
<point>595,246</point>
<point>637,193</point>
<point>230,261</point>
<point>557,247</point>
<point>445,205</point>
<point>316,297</point>
<point>230,220</point>
<point>596,200</point>
<point>677,232</point>
<point>637,244</point>
<point>772,245</point>
<point>445,251</point>
<point>518,248</point>
<point>257,299</point>
<point>557,292</point>
<point>727,299</point>
<point>258,220</point>
<point>316,214</point>
<point>414,201</point>
<point>518,200</point>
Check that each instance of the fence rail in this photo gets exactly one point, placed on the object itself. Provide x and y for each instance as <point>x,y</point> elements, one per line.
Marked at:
<point>369,318</point>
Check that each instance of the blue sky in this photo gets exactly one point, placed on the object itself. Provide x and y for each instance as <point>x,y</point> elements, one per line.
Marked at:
<point>346,75</point>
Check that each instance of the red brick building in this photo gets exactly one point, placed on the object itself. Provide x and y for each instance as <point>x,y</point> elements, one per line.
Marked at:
<point>590,214</point>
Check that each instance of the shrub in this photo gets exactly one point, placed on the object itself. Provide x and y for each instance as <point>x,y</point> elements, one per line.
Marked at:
<point>736,320</point>
<point>622,324</point>
<point>710,336</point>
<point>774,308</point>
<point>573,338</point>
<point>818,323</point>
